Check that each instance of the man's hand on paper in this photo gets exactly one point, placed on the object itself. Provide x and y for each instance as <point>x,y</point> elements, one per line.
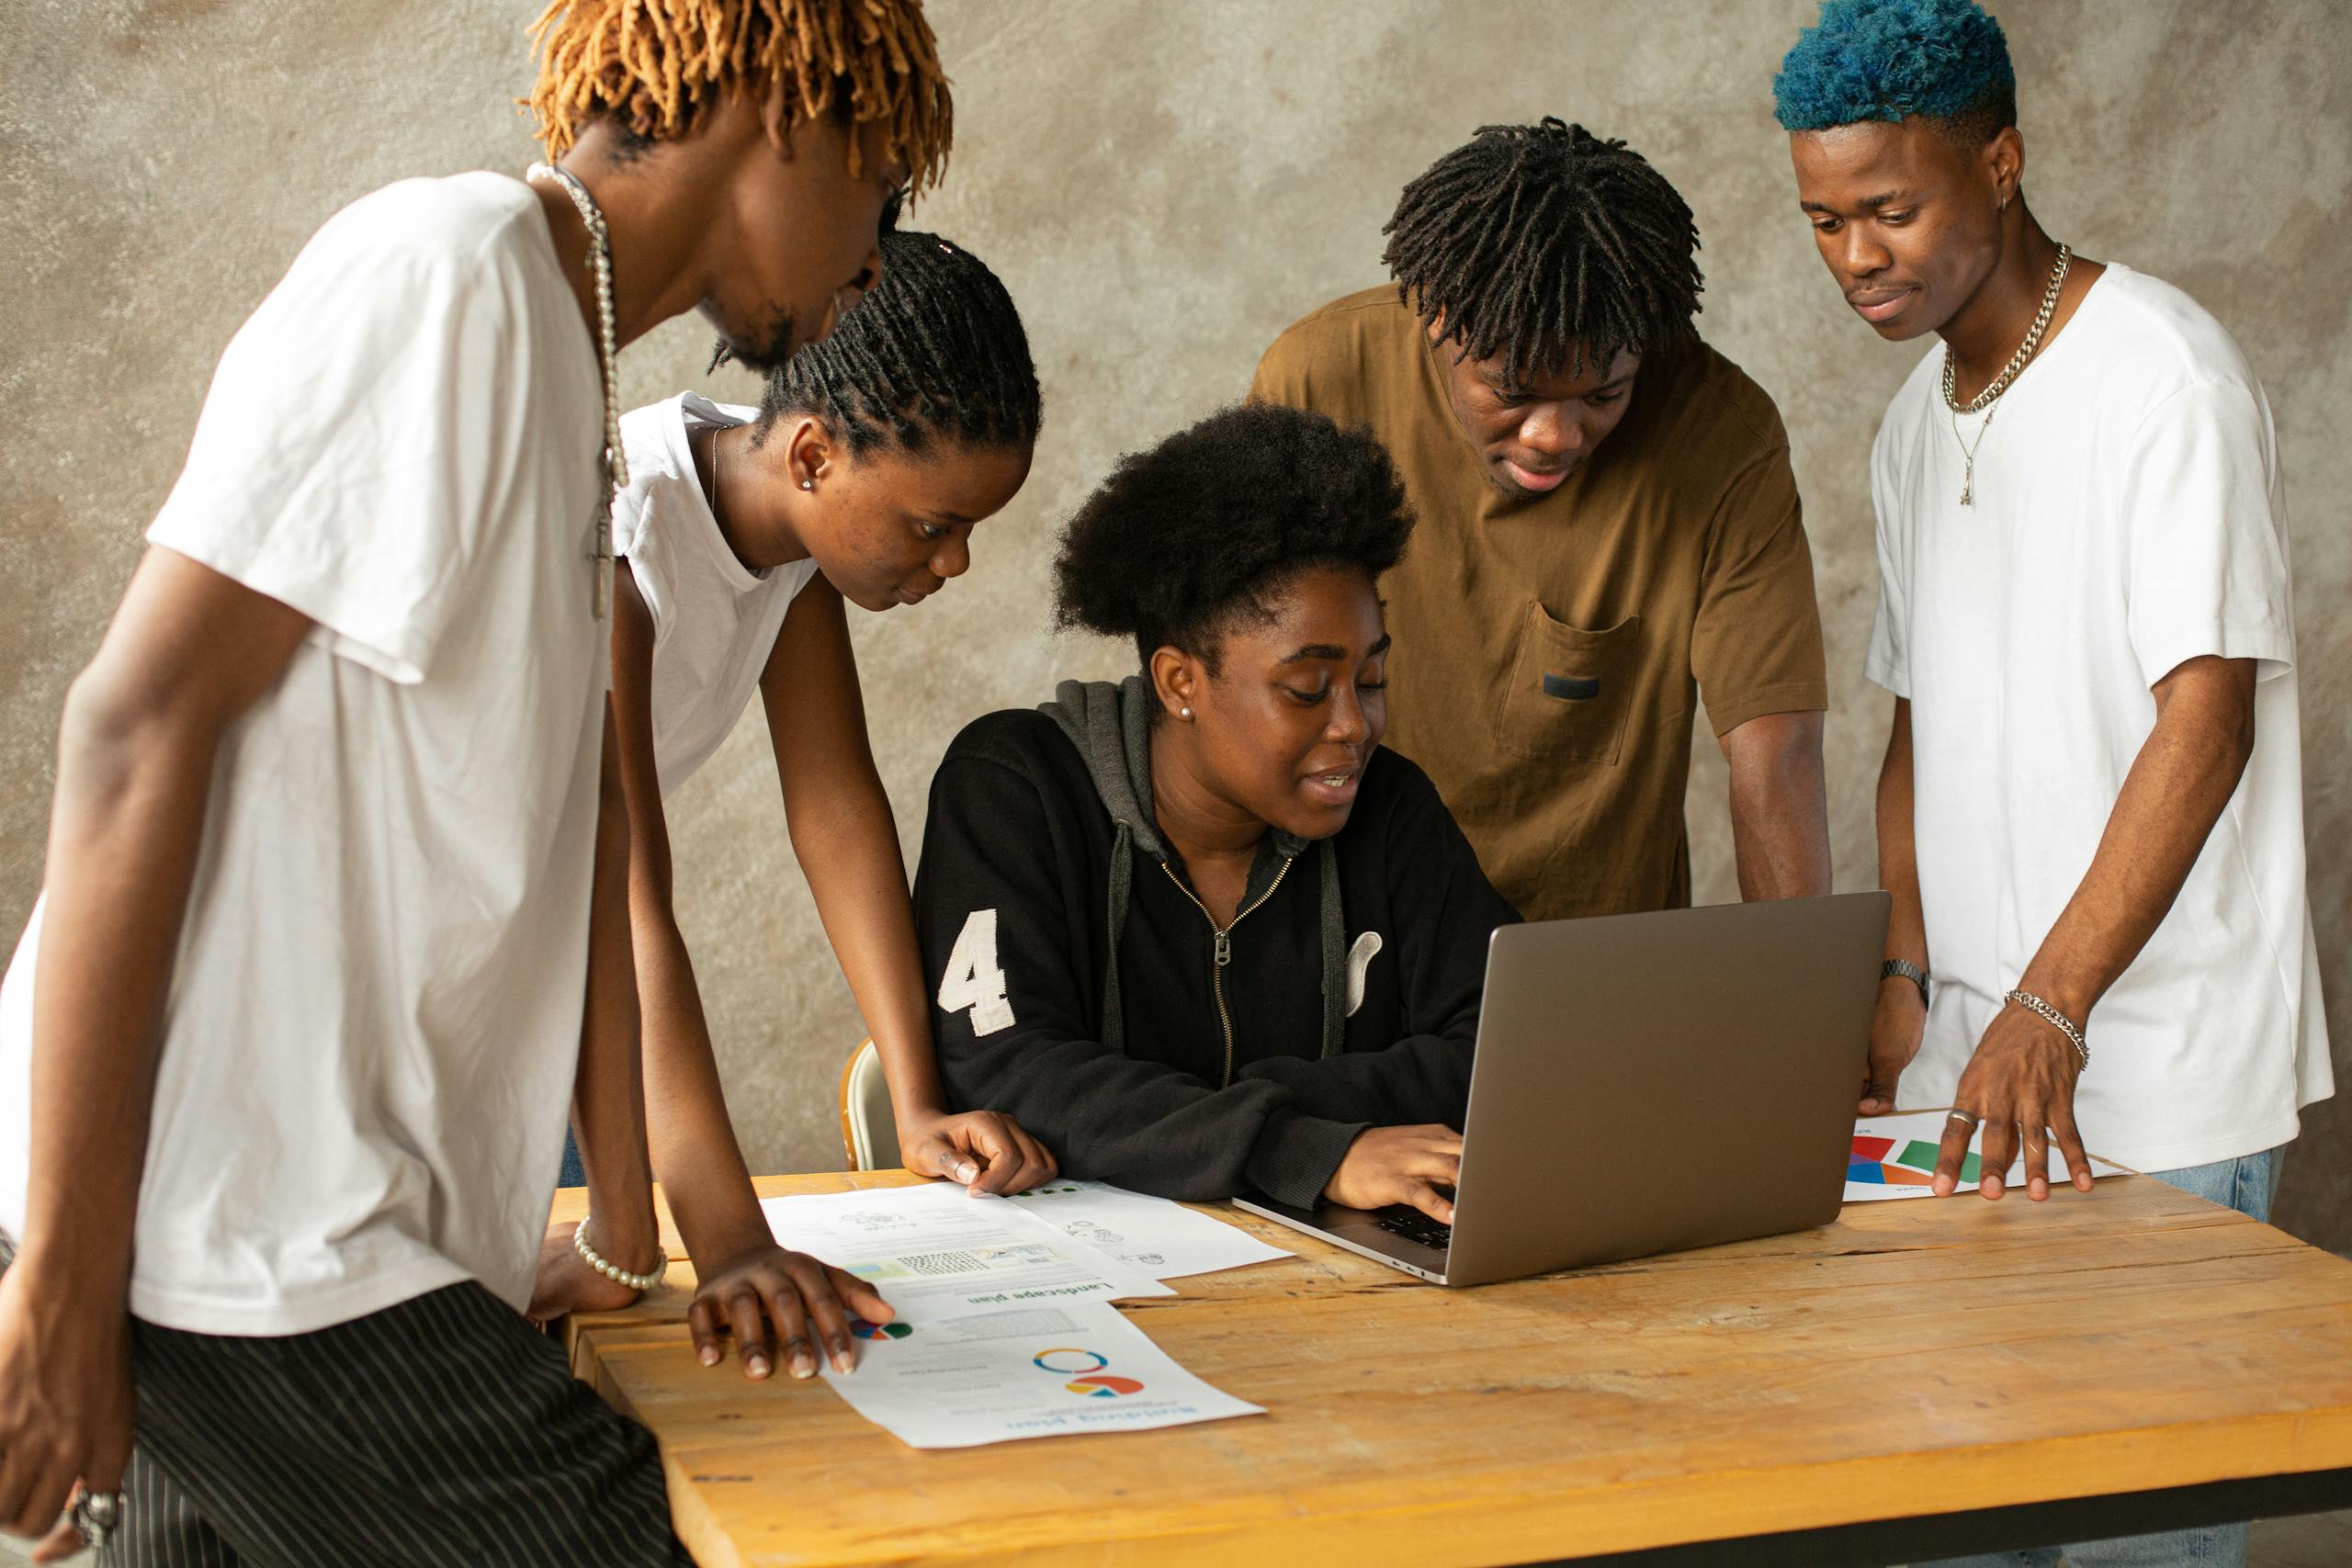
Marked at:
<point>1400,1165</point>
<point>2022,1076</point>
<point>64,1401</point>
<point>986,1151</point>
<point>1895,1032</point>
<point>805,1301</point>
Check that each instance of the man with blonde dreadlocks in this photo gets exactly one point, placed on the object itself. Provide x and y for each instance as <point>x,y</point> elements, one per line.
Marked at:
<point>1609,527</point>
<point>335,922</point>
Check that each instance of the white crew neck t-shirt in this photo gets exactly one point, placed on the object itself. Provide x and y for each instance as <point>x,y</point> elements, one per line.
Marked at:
<point>714,619</point>
<point>2128,517</point>
<point>374,1017</point>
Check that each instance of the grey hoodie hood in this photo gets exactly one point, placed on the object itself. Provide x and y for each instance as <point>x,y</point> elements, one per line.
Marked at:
<point>1110,723</point>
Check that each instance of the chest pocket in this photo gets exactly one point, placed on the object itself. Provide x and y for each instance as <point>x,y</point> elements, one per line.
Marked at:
<point>1569,690</point>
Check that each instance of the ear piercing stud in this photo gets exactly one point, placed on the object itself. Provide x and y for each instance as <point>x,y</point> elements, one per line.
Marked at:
<point>1183,713</point>
<point>808,484</point>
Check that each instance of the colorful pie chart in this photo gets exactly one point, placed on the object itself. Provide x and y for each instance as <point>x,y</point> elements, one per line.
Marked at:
<point>1102,1386</point>
<point>865,1330</point>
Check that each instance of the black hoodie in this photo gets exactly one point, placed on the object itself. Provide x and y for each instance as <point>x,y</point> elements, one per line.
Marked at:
<point>1077,984</point>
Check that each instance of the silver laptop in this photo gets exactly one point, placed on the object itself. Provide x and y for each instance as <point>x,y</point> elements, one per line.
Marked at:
<point>1644,1083</point>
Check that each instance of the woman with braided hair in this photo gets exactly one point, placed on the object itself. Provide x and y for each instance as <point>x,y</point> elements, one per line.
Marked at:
<point>335,918</point>
<point>861,478</point>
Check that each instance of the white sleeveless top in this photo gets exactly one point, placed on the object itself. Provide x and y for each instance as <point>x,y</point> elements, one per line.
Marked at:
<point>714,620</point>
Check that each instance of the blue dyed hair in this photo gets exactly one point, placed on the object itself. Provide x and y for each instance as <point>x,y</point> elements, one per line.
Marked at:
<point>1942,60</point>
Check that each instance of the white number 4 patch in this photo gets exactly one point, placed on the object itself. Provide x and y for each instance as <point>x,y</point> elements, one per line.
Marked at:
<point>974,981</point>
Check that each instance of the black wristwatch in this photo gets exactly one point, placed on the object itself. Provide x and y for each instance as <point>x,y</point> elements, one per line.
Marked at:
<point>1909,971</point>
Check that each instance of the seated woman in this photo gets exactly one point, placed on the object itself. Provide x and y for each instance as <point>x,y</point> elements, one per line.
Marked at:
<point>1197,931</point>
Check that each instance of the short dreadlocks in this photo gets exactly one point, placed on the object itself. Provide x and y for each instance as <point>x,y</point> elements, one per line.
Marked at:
<point>1546,245</point>
<point>653,66</point>
<point>936,349</point>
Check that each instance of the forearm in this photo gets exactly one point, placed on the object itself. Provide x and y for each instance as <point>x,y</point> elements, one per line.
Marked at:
<point>1780,811</point>
<point>123,843</point>
<point>850,856</point>
<point>1898,865</point>
<point>1423,1079</point>
<point>608,1093</point>
<point>700,1165</point>
<point>2176,791</point>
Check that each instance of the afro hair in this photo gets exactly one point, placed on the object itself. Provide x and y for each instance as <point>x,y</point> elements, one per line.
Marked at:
<point>1942,60</point>
<point>1186,538</point>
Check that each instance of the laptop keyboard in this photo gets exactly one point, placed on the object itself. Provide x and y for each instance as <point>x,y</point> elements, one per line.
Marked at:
<point>1414,1225</point>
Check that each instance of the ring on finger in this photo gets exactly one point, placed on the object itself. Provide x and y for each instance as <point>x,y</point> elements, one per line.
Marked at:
<point>97,1515</point>
<point>1962,1116</point>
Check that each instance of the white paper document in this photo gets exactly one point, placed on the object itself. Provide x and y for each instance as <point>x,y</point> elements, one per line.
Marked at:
<point>1152,1236</point>
<point>1021,1372</point>
<point>1894,1156</point>
<point>934,1251</point>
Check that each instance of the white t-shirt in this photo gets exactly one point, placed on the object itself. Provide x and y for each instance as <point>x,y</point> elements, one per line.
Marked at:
<point>2128,517</point>
<point>374,1016</point>
<point>714,619</point>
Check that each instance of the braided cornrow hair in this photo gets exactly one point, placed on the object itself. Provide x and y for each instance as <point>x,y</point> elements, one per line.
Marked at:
<point>936,349</point>
<point>652,66</point>
<point>1544,243</point>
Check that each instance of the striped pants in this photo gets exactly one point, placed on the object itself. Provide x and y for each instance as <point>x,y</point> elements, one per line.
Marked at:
<point>444,1431</point>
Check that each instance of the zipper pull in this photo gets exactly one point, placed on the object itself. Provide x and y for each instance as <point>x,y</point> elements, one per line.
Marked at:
<point>1224,949</point>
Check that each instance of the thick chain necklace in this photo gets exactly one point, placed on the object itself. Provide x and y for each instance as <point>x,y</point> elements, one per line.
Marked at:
<point>614,470</point>
<point>1986,401</point>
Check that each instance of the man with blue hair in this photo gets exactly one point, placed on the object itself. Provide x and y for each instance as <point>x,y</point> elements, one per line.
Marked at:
<point>2090,812</point>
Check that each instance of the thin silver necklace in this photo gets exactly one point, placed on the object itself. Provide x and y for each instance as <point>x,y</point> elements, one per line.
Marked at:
<point>1989,399</point>
<point>614,468</point>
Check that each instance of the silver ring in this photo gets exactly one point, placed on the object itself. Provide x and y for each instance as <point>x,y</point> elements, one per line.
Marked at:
<point>1962,1116</point>
<point>97,1515</point>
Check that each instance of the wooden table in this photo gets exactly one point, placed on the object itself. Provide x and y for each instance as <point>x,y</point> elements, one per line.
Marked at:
<point>1920,1378</point>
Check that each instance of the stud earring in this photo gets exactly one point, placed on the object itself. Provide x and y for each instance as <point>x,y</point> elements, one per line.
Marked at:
<point>808,484</point>
<point>1183,713</point>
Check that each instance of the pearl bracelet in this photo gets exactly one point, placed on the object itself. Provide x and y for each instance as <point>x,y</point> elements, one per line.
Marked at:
<point>614,1271</point>
<point>2056,1019</point>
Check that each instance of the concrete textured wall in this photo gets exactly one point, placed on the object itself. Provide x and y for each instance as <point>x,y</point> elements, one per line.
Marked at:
<point>1163,185</point>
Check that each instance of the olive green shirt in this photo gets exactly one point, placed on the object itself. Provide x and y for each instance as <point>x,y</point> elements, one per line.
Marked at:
<point>1550,652</point>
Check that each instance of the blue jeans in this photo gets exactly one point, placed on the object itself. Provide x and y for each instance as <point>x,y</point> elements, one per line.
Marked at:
<point>2247,1184</point>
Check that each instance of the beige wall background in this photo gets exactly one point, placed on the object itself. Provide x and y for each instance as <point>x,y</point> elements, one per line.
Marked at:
<point>1162,185</point>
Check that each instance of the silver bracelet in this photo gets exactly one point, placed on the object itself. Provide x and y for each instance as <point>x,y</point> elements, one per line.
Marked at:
<point>2056,1020</point>
<point>640,1284</point>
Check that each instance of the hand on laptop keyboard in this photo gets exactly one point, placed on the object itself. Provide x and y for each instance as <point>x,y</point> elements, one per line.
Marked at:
<point>1415,1167</point>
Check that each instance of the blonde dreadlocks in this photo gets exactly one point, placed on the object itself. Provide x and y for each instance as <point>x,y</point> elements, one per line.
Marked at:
<point>655,65</point>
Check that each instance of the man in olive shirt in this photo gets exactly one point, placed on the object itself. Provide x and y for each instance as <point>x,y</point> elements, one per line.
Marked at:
<point>1609,527</point>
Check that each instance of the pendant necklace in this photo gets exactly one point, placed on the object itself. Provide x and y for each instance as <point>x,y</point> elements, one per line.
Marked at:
<point>613,470</point>
<point>1989,399</point>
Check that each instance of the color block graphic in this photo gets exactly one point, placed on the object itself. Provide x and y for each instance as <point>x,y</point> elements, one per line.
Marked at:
<point>1103,1386</point>
<point>1868,1164</point>
<point>1875,1162</point>
<point>864,1330</point>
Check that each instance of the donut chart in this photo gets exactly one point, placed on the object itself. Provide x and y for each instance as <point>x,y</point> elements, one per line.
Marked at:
<point>1070,1362</point>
